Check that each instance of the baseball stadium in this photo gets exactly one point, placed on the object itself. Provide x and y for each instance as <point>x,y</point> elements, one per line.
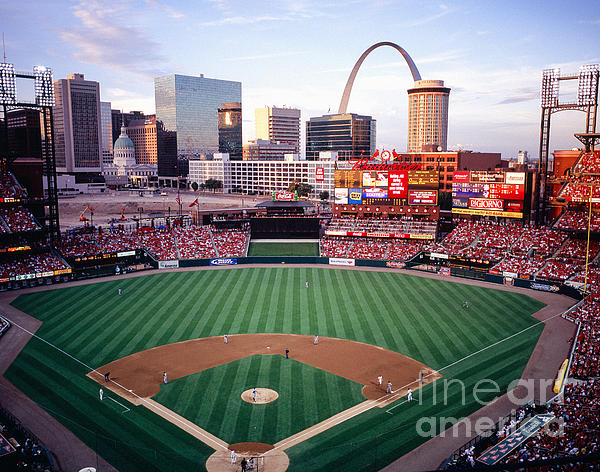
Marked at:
<point>425,318</point>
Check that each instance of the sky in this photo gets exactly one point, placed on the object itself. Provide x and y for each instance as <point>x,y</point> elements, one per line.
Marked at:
<point>299,53</point>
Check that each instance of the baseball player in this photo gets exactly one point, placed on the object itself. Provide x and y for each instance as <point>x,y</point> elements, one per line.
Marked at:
<point>287,353</point>
<point>101,392</point>
<point>107,377</point>
<point>465,304</point>
<point>254,394</point>
<point>232,456</point>
<point>307,284</point>
<point>164,377</point>
<point>380,381</point>
<point>409,395</point>
<point>389,387</point>
<point>225,339</point>
<point>120,291</point>
<point>316,339</point>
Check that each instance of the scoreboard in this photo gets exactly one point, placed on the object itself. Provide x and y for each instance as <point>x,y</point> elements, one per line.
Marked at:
<point>488,193</point>
<point>388,187</point>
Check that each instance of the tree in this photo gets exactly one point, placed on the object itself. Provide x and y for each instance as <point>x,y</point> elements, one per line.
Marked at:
<point>304,190</point>
<point>324,195</point>
<point>194,186</point>
<point>213,184</point>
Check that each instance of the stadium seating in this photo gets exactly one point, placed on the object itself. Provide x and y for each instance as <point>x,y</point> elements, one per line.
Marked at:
<point>194,242</point>
<point>230,243</point>
<point>9,187</point>
<point>371,248</point>
<point>589,162</point>
<point>578,220</point>
<point>159,242</point>
<point>30,264</point>
<point>18,219</point>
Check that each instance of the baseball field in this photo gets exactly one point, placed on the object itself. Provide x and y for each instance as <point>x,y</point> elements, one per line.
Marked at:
<point>283,249</point>
<point>175,322</point>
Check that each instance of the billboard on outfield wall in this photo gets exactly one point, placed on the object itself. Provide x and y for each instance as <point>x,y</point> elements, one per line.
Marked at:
<point>341,261</point>
<point>422,197</point>
<point>168,264</point>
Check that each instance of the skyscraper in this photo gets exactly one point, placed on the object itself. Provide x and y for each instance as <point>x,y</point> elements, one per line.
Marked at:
<point>187,111</point>
<point>230,130</point>
<point>278,124</point>
<point>428,116</point>
<point>351,136</point>
<point>24,133</point>
<point>77,125</point>
<point>143,135</point>
<point>120,117</point>
<point>107,141</point>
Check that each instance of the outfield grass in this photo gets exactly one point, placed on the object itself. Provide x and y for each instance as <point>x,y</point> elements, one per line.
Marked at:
<point>307,396</point>
<point>283,249</point>
<point>419,317</point>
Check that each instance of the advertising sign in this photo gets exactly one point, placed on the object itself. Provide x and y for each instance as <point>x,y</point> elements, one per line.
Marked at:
<point>515,178</point>
<point>461,176</point>
<point>424,178</point>
<point>341,196</point>
<point>355,196</point>
<point>422,197</point>
<point>445,271</point>
<point>375,179</point>
<point>218,262</point>
<point>341,261</point>
<point>466,190</point>
<point>125,253</point>
<point>504,191</point>
<point>319,174</point>
<point>487,176</point>
<point>514,206</point>
<point>168,264</point>
<point>347,178</point>
<point>460,202</point>
<point>482,212</point>
<point>375,193</point>
<point>284,195</point>
<point>486,204</point>
<point>398,184</point>
<point>395,264</point>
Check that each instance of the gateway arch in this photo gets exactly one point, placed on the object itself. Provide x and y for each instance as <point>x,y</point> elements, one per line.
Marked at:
<point>427,105</point>
<point>411,65</point>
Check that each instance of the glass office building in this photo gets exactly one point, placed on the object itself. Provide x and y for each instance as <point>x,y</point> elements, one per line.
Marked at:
<point>348,134</point>
<point>187,111</point>
<point>230,130</point>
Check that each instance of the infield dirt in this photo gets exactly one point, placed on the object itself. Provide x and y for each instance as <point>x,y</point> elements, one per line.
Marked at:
<point>140,375</point>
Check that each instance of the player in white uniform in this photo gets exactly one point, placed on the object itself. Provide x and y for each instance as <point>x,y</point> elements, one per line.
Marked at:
<point>389,387</point>
<point>164,377</point>
<point>232,456</point>
<point>380,380</point>
<point>316,339</point>
<point>101,393</point>
<point>409,395</point>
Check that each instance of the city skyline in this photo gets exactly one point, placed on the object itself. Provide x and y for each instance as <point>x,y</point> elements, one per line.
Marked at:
<point>299,54</point>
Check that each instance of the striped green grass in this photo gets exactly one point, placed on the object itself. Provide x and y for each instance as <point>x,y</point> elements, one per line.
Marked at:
<point>283,249</point>
<point>419,317</point>
<point>307,396</point>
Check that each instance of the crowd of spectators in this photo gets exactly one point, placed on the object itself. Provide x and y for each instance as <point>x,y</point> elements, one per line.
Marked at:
<point>392,249</point>
<point>159,242</point>
<point>559,271</point>
<point>520,265</point>
<point>404,225</point>
<point>230,243</point>
<point>22,264</point>
<point>18,219</point>
<point>28,454</point>
<point>578,220</point>
<point>577,431</point>
<point>9,188</point>
<point>542,241</point>
<point>194,242</point>
<point>589,163</point>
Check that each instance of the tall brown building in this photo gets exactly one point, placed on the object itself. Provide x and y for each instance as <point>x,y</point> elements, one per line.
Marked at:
<point>143,135</point>
<point>24,133</point>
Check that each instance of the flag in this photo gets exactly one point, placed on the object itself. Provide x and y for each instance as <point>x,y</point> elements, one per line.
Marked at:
<point>195,202</point>
<point>90,208</point>
<point>178,200</point>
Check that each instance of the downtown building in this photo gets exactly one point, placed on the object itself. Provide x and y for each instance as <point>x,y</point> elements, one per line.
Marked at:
<point>255,177</point>
<point>230,130</point>
<point>278,124</point>
<point>107,135</point>
<point>143,135</point>
<point>187,119</point>
<point>77,125</point>
<point>428,116</point>
<point>349,135</point>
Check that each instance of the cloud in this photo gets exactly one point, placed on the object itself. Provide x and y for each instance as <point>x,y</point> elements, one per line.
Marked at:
<point>265,56</point>
<point>106,38</point>
<point>444,10</point>
<point>172,12</point>
<point>521,96</point>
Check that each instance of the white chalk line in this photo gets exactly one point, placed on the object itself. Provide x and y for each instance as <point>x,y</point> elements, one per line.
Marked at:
<point>119,403</point>
<point>143,400</point>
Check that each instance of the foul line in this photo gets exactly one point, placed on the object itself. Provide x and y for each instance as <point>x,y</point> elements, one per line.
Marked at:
<point>143,400</point>
<point>118,403</point>
<point>477,352</point>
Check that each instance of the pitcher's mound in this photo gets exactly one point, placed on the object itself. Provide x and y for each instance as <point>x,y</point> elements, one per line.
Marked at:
<point>263,395</point>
